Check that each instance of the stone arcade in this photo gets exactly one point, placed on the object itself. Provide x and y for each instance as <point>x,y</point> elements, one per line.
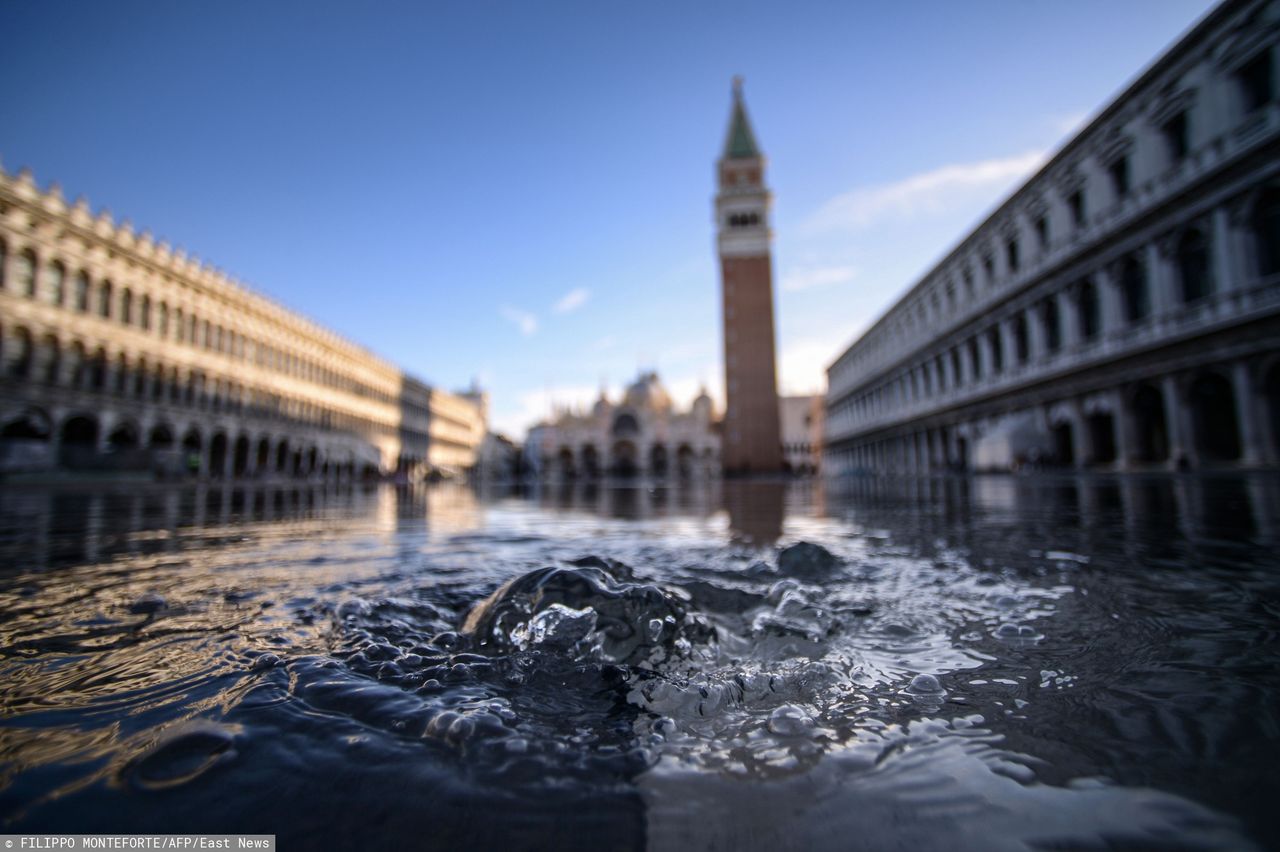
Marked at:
<point>1120,310</point>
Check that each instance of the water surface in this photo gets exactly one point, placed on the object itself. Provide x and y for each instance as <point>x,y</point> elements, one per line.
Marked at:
<point>990,663</point>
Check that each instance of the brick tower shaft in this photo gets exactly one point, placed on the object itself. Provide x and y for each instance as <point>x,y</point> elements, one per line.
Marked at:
<point>751,442</point>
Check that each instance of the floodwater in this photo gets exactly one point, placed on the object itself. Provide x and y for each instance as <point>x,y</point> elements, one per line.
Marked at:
<point>953,663</point>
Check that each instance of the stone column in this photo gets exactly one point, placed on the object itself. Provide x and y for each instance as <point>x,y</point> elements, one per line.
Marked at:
<point>1160,278</point>
<point>985,357</point>
<point>206,444</point>
<point>1120,424</point>
<point>1251,431</point>
<point>1224,264</point>
<point>1111,303</point>
<point>1177,422</point>
<point>966,365</point>
<point>1035,334</point>
<point>1008,347</point>
<point>1081,440</point>
<point>1068,317</point>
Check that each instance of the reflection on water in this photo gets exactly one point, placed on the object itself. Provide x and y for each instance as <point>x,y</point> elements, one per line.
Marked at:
<point>946,663</point>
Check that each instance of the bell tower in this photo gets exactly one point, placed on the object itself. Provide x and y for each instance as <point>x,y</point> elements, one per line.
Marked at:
<point>751,442</point>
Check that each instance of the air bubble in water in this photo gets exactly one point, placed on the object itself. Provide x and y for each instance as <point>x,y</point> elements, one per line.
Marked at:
<point>925,684</point>
<point>790,721</point>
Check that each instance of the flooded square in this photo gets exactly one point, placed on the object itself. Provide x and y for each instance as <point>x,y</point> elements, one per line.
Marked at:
<point>948,663</point>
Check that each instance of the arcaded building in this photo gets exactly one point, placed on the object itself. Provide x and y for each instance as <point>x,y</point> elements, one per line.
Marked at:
<point>1120,310</point>
<point>118,353</point>
<point>641,434</point>
<point>751,436</point>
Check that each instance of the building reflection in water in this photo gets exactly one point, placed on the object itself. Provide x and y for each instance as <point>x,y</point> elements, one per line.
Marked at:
<point>1210,509</point>
<point>42,527</point>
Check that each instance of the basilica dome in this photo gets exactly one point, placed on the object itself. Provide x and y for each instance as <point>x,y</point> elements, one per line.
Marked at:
<point>648,392</point>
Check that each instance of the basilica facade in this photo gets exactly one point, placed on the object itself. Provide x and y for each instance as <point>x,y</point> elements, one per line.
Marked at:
<point>641,434</point>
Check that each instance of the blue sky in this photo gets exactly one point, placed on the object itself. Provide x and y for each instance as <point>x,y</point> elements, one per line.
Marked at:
<point>521,192</point>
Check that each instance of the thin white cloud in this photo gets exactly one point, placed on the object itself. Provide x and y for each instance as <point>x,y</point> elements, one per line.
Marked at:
<point>532,406</point>
<point>925,193</point>
<point>604,343</point>
<point>818,276</point>
<point>685,388</point>
<point>523,320</point>
<point>572,300</point>
<point>802,364</point>
<point>1068,123</point>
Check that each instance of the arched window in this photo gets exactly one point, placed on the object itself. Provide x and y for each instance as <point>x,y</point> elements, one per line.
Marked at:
<point>1255,82</point>
<point>162,320</point>
<point>20,360</point>
<point>1266,232</point>
<point>24,274</point>
<point>55,277</point>
<point>140,374</point>
<point>122,374</point>
<point>51,354</point>
<point>1193,265</point>
<point>975,358</point>
<point>1133,289</point>
<point>126,306</point>
<point>98,369</point>
<point>4,258</point>
<point>76,365</point>
<point>997,350</point>
<point>82,292</point>
<point>1090,312</point>
<point>144,314</point>
<point>104,300</point>
<point>625,424</point>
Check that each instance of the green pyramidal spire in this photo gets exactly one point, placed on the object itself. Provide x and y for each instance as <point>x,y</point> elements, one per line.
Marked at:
<point>741,142</point>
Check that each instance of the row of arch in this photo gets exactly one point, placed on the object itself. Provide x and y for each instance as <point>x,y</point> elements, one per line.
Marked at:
<point>625,459</point>
<point>80,443</point>
<point>25,275</point>
<point>1041,328</point>
<point>1225,414</point>
<point>45,360</point>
